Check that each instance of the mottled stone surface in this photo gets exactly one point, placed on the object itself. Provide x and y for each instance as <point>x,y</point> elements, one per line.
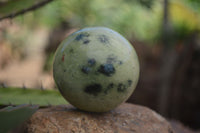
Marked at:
<point>127,118</point>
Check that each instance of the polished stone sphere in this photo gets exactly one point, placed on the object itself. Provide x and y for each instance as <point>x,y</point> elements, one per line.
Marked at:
<point>96,69</point>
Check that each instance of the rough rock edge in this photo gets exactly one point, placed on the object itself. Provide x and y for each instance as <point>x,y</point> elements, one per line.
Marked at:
<point>127,118</point>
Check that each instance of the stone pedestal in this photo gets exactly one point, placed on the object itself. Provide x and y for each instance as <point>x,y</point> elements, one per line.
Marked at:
<point>127,118</point>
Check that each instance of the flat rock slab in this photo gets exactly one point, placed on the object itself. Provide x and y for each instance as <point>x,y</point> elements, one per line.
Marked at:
<point>127,118</point>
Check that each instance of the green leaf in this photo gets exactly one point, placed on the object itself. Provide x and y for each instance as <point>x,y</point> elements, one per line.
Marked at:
<point>17,96</point>
<point>11,117</point>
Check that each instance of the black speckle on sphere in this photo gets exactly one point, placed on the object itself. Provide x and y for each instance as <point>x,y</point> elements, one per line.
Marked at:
<point>81,36</point>
<point>130,82</point>
<point>107,69</point>
<point>110,86</point>
<point>91,62</point>
<point>121,87</point>
<point>111,59</point>
<point>85,69</point>
<point>86,41</point>
<point>93,89</point>
<point>71,50</point>
<point>103,39</point>
<point>120,62</point>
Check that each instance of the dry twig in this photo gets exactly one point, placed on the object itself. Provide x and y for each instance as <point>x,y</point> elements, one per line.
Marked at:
<point>34,7</point>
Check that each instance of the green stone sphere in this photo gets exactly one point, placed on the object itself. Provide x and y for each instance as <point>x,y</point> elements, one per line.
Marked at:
<point>96,69</point>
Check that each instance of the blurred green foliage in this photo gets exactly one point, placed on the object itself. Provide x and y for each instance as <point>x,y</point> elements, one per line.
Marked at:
<point>12,6</point>
<point>11,116</point>
<point>48,62</point>
<point>194,4</point>
<point>130,18</point>
<point>182,14</point>
<point>134,19</point>
<point>17,96</point>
